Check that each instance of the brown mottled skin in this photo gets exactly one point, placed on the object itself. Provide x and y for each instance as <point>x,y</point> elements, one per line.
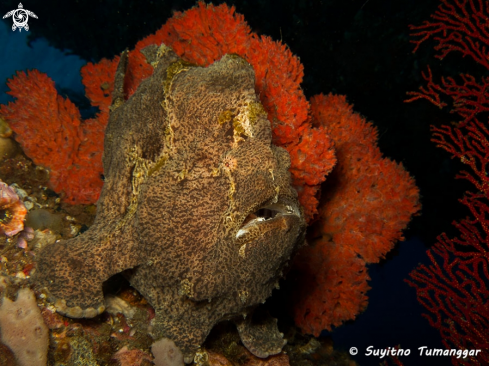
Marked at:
<point>189,170</point>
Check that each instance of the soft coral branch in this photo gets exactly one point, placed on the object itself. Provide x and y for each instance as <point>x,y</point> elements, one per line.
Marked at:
<point>458,26</point>
<point>469,98</point>
<point>366,202</point>
<point>454,287</point>
<point>471,146</point>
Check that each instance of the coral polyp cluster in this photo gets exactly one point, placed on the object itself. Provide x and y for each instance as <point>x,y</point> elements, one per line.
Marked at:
<point>12,211</point>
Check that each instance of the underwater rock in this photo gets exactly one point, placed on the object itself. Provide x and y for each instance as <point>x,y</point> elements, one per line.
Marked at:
<point>8,148</point>
<point>197,208</point>
<point>42,219</point>
<point>7,357</point>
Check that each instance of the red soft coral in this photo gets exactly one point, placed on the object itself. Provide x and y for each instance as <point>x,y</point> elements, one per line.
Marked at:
<point>367,201</point>
<point>99,82</point>
<point>51,132</point>
<point>331,285</point>
<point>309,171</point>
<point>200,35</point>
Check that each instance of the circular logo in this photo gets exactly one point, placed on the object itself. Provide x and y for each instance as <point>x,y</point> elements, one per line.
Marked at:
<point>353,351</point>
<point>20,18</point>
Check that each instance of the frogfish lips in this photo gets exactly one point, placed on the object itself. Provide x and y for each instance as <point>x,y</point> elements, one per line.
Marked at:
<point>268,217</point>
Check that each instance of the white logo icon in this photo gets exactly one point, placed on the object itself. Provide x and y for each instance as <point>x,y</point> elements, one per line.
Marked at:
<point>20,17</point>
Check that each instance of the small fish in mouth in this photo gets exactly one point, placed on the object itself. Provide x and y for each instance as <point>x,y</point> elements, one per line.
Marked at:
<point>197,208</point>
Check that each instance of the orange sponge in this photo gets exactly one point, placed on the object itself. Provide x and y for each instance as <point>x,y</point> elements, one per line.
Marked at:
<point>366,202</point>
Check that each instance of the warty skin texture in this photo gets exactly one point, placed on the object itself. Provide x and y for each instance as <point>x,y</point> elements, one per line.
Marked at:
<point>197,209</point>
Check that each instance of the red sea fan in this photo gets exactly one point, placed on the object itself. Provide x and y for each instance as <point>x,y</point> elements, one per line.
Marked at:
<point>366,202</point>
<point>454,287</point>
